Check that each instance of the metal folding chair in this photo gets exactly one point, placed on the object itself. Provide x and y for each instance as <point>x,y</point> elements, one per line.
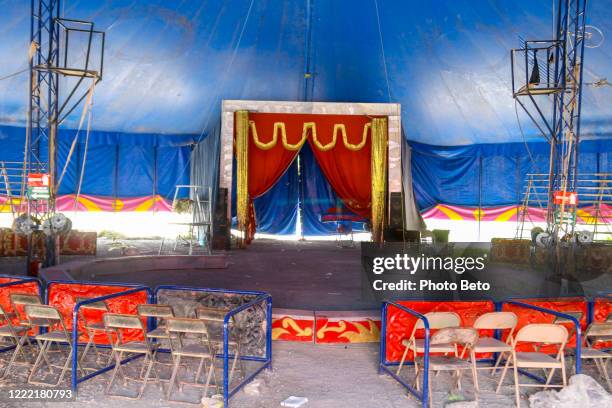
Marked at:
<point>496,321</point>
<point>437,320</point>
<point>17,336</point>
<point>49,317</point>
<point>538,334</point>
<point>118,323</point>
<point>598,333</point>
<point>565,321</point>
<point>199,348</point>
<point>18,303</point>
<point>160,313</point>
<point>455,336</point>
<point>91,328</point>
<point>214,318</point>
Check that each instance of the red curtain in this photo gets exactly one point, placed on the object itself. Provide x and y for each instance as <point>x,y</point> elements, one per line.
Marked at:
<point>267,166</point>
<point>347,171</point>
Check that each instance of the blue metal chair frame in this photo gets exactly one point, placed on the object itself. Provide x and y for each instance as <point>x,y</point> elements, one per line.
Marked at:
<point>423,396</point>
<point>134,288</point>
<point>261,298</point>
<point>384,365</point>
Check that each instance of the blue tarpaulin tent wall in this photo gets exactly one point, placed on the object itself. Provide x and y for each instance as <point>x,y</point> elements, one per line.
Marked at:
<point>489,174</point>
<point>168,65</point>
<point>117,165</point>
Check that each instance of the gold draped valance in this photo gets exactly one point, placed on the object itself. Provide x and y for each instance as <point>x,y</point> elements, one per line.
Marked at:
<point>308,128</point>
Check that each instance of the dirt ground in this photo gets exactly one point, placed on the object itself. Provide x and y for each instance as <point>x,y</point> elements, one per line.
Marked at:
<point>330,376</point>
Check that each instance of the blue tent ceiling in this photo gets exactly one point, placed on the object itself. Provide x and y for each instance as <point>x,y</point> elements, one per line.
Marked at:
<point>169,63</point>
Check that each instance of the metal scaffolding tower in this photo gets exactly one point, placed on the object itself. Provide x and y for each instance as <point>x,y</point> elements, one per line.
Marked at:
<point>547,84</point>
<point>67,53</point>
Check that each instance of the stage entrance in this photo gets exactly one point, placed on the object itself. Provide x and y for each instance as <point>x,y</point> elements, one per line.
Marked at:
<point>334,164</point>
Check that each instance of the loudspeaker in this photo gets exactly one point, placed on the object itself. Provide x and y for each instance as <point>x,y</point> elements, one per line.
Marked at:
<point>395,211</point>
<point>221,230</point>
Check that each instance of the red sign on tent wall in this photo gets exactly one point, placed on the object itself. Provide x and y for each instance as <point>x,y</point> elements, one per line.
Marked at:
<point>38,180</point>
<point>567,197</point>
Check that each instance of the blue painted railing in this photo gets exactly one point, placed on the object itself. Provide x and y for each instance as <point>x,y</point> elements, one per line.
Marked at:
<point>384,365</point>
<point>260,298</point>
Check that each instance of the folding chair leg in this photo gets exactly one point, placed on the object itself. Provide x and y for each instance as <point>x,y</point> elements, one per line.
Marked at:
<point>605,374</point>
<point>146,378</point>
<point>550,375</point>
<point>563,373</point>
<point>474,373</point>
<point>177,362</point>
<point>87,346</point>
<point>211,371</point>
<point>236,359</point>
<point>197,375</point>
<point>38,361</point>
<point>505,370</point>
<point>44,355</point>
<point>19,345</point>
<point>517,392</point>
<point>115,371</point>
<point>18,350</point>
<point>65,368</point>
<point>399,368</point>
<point>494,369</point>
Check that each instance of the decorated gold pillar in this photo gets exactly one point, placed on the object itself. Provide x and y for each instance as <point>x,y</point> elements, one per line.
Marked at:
<point>242,170</point>
<point>379,177</point>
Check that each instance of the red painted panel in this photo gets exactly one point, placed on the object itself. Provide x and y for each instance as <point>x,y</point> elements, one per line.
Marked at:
<point>400,323</point>
<point>63,296</point>
<point>5,293</point>
<point>347,331</point>
<point>602,308</point>
<point>528,316</point>
<point>288,328</point>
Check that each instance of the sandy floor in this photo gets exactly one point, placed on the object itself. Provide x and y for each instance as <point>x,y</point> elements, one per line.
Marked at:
<point>329,376</point>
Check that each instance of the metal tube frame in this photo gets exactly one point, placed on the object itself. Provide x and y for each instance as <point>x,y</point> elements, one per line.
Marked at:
<point>134,288</point>
<point>383,366</point>
<point>423,396</point>
<point>261,297</point>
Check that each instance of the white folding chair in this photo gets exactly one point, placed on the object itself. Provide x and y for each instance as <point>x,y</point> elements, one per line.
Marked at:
<point>546,333</point>
<point>50,318</point>
<point>598,333</point>
<point>437,320</point>
<point>457,337</point>
<point>199,348</point>
<point>496,321</point>
<point>17,336</point>
<point>117,324</point>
